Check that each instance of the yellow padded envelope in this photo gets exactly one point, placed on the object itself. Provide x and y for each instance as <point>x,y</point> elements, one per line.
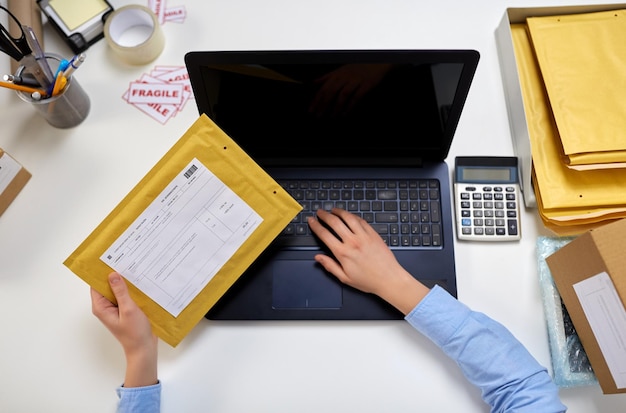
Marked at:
<point>565,196</point>
<point>583,60</point>
<point>206,143</point>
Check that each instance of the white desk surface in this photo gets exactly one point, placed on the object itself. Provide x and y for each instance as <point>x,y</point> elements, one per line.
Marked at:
<point>55,356</point>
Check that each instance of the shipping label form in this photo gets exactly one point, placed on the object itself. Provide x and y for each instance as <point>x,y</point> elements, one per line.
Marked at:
<point>9,168</point>
<point>181,240</point>
<point>607,318</point>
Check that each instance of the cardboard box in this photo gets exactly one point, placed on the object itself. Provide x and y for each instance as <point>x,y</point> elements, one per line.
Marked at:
<point>590,275</point>
<point>13,177</point>
<point>518,121</point>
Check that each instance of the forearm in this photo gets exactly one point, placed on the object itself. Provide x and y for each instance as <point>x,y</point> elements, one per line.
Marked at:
<point>403,291</point>
<point>141,368</point>
<point>489,356</point>
<point>141,391</point>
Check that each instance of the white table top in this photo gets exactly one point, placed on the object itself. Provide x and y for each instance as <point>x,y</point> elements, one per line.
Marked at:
<point>55,356</point>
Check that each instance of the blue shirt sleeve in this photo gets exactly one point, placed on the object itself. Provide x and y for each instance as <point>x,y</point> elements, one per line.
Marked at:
<point>489,356</point>
<point>139,399</point>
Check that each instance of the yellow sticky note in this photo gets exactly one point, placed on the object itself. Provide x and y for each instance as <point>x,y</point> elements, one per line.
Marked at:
<point>75,13</point>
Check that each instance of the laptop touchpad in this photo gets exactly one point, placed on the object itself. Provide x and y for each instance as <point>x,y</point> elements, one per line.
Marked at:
<point>305,285</point>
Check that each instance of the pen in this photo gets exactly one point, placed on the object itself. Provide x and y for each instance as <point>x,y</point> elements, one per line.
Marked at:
<point>21,80</point>
<point>63,64</point>
<point>22,88</point>
<point>74,64</point>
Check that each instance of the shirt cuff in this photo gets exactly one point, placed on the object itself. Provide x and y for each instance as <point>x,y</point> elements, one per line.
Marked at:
<point>438,316</point>
<point>135,399</point>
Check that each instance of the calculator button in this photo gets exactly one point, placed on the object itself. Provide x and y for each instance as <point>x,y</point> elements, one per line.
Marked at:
<point>484,213</point>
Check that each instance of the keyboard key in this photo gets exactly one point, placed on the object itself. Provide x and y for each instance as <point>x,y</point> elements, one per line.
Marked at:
<point>386,217</point>
<point>387,194</point>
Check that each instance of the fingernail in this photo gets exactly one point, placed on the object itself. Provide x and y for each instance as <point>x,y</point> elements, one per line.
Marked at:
<point>114,277</point>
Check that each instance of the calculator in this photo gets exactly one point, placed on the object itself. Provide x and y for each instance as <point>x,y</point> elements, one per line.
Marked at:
<point>487,198</point>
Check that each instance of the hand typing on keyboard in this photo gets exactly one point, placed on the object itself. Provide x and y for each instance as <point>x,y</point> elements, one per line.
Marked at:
<point>363,260</point>
<point>405,213</point>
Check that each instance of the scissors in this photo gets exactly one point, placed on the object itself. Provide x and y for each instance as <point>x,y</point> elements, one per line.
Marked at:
<point>16,47</point>
<point>20,48</point>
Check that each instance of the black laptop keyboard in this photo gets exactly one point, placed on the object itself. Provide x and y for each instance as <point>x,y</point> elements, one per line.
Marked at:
<point>406,213</point>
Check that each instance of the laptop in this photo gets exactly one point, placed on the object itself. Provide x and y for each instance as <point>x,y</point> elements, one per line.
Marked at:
<point>363,130</point>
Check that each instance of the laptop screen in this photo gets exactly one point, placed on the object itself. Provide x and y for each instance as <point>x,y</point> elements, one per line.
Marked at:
<point>335,107</point>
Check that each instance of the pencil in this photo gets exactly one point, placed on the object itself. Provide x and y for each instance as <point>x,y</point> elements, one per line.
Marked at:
<point>22,88</point>
<point>59,84</point>
<point>21,80</point>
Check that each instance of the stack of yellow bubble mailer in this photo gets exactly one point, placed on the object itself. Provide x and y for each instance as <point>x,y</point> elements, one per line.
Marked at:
<point>582,59</point>
<point>570,199</point>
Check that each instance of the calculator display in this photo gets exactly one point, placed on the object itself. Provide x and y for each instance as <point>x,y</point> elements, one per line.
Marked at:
<point>491,174</point>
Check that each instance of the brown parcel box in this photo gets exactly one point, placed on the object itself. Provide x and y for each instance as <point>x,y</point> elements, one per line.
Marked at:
<point>601,250</point>
<point>13,177</point>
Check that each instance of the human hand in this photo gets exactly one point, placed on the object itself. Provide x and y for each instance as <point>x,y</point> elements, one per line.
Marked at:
<point>363,260</point>
<point>131,327</point>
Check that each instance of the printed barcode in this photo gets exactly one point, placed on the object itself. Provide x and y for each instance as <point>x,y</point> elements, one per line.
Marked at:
<point>190,171</point>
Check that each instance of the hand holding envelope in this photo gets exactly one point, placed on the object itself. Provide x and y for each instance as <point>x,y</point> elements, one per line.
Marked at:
<point>187,231</point>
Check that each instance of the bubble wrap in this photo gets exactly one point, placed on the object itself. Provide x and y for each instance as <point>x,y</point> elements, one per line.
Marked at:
<point>570,364</point>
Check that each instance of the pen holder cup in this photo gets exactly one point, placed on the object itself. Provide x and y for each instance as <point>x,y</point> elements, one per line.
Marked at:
<point>65,110</point>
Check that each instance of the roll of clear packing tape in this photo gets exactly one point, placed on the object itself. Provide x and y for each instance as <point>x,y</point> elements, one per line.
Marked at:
<point>134,34</point>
